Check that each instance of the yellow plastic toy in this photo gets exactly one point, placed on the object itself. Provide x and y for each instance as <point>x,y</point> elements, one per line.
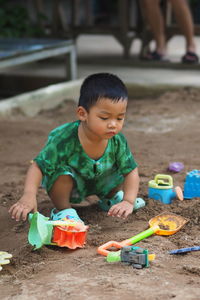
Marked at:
<point>4,258</point>
<point>163,224</point>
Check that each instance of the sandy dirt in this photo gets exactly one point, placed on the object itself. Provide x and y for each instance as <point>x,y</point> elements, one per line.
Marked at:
<point>159,131</point>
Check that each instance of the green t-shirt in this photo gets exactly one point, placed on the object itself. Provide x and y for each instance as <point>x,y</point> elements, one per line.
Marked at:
<point>63,154</point>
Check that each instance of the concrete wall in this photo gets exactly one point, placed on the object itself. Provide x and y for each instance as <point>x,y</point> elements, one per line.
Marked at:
<point>31,103</point>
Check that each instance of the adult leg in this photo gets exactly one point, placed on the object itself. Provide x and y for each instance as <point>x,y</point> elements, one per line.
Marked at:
<point>184,20</point>
<point>61,191</point>
<point>154,17</point>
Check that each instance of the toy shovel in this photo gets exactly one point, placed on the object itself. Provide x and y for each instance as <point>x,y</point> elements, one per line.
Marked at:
<point>40,232</point>
<point>163,224</point>
<point>185,250</point>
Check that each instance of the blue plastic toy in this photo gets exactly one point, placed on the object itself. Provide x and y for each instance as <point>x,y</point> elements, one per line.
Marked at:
<point>184,250</point>
<point>161,188</point>
<point>192,184</point>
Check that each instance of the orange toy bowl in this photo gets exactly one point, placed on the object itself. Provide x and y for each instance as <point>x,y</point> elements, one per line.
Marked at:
<point>71,239</point>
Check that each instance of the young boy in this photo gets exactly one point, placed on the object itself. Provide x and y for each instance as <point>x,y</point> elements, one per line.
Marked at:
<point>86,157</point>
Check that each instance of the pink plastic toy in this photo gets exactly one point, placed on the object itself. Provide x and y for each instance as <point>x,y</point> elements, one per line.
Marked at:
<point>176,167</point>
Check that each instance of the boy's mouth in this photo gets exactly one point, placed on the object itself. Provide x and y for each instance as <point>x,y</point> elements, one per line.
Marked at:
<point>111,133</point>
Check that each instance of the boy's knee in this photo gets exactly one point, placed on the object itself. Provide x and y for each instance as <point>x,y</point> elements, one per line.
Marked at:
<point>64,179</point>
<point>63,182</point>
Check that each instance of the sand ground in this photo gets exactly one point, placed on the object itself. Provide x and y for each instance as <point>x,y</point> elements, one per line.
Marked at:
<point>159,131</point>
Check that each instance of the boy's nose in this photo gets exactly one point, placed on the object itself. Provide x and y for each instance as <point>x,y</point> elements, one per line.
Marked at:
<point>112,124</point>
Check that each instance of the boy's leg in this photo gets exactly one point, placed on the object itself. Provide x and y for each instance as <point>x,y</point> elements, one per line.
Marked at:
<point>60,195</point>
<point>114,191</point>
<point>61,191</point>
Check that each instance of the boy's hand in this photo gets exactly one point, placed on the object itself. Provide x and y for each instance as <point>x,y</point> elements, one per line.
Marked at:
<point>121,210</point>
<point>25,205</point>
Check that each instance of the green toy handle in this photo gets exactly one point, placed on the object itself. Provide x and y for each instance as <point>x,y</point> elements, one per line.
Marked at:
<point>140,236</point>
<point>159,177</point>
<point>103,249</point>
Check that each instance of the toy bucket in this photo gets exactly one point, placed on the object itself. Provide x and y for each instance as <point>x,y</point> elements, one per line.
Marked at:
<point>63,233</point>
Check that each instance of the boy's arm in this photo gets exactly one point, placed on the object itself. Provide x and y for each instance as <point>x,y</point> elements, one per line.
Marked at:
<point>131,186</point>
<point>130,189</point>
<point>28,201</point>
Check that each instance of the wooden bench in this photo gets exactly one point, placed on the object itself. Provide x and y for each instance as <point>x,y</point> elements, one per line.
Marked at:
<point>75,17</point>
<point>72,18</point>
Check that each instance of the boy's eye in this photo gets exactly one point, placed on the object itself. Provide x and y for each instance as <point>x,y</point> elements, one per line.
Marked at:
<point>103,118</point>
<point>120,119</point>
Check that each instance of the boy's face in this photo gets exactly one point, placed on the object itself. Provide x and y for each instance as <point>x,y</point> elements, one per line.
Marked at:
<point>105,119</point>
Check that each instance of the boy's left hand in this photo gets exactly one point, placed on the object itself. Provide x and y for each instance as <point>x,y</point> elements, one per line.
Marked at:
<point>121,210</point>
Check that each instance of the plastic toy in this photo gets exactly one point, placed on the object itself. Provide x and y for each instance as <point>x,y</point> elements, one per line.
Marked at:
<point>135,256</point>
<point>163,224</point>
<point>192,184</point>
<point>4,258</point>
<point>63,233</point>
<point>161,188</point>
<point>184,250</point>
<point>176,166</point>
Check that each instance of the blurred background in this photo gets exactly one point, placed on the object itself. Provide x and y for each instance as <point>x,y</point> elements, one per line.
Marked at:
<point>111,33</point>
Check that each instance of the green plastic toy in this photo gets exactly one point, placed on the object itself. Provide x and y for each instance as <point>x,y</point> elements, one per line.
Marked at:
<point>136,256</point>
<point>41,229</point>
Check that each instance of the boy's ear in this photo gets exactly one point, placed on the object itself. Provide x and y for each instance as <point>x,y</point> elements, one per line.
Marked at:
<point>81,113</point>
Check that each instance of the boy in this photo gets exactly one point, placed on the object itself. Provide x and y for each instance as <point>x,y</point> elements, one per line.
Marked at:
<point>86,157</point>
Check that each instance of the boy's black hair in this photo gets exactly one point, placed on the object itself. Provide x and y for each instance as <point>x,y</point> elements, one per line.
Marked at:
<point>101,85</point>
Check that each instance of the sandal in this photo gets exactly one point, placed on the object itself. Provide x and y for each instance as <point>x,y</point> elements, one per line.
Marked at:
<point>190,58</point>
<point>154,56</point>
<point>68,213</point>
<point>105,204</point>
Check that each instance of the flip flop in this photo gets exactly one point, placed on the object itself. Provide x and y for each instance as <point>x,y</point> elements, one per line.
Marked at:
<point>190,58</point>
<point>105,204</point>
<point>69,213</point>
<point>155,56</point>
